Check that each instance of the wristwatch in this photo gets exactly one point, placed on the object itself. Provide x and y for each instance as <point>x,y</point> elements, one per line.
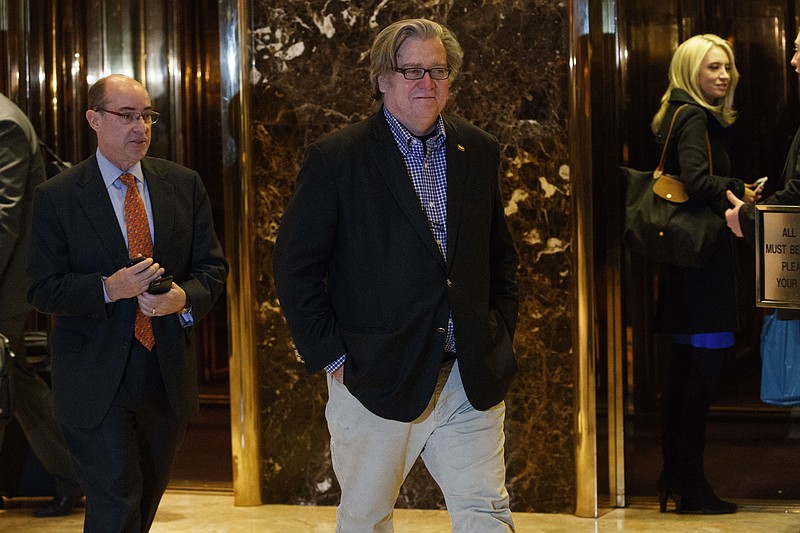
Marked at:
<point>186,306</point>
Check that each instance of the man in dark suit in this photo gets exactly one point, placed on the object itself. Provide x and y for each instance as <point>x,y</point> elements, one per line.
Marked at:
<point>21,169</point>
<point>741,217</point>
<point>124,372</point>
<point>396,273</point>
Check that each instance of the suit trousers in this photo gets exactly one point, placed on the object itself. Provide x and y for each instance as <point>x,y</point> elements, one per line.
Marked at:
<point>124,464</point>
<point>32,403</point>
<point>462,449</point>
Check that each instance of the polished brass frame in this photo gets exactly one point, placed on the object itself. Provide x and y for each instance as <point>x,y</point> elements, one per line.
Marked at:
<point>585,424</point>
<point>237,170</point>
<point>788,217</point>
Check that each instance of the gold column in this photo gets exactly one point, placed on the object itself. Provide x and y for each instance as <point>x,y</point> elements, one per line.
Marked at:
<point>245,427</point>
<point>583,272</point>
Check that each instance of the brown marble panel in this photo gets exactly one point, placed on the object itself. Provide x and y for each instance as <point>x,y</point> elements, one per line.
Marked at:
<point>310,76</point>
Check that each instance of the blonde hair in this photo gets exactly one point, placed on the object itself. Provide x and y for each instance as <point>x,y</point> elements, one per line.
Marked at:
<point>684,70</point>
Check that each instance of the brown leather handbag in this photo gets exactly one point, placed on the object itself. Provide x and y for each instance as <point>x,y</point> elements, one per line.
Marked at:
<point>661,224</point>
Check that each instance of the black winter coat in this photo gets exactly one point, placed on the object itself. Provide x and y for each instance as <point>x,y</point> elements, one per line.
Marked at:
<point>699,300</point>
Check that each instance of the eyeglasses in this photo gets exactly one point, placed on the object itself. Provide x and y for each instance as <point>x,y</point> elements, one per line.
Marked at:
<point>149,117</point>
<point>436,73</point>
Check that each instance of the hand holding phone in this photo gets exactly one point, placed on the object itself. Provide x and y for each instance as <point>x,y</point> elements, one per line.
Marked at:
<point>134,260</point>
<point>160,285</point>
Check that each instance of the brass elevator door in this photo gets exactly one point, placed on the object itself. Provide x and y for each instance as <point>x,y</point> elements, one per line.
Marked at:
<point>51,51</point>
<point>750,446</point>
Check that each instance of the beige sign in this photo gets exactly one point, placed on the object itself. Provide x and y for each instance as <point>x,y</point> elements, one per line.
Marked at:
<point>778,256</point>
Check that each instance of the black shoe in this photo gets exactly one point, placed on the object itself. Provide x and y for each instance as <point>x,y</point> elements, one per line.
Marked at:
<point>60,506</point>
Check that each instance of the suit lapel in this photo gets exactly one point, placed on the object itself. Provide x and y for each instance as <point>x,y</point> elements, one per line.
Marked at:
<point>162,195</point>
<point>456,182</point>
<point>790,170</point>
<point>392,168</point>
<point>97,206</point>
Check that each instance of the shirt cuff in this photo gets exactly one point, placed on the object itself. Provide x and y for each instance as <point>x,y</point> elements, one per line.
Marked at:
<point>105,294</point>
<point>186,319</point>
<point>333,367</point>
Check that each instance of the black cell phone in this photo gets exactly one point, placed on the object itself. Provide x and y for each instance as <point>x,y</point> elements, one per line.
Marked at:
<point>160,285</point>
<point>133,261</point>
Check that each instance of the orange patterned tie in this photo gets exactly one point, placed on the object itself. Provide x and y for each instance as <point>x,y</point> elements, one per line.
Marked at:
<point>138,243</point>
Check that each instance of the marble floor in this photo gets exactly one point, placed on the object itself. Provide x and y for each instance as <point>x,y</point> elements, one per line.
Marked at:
<point>213,511</point>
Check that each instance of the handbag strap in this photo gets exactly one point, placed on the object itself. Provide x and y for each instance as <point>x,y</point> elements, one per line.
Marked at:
<point>660,168</point>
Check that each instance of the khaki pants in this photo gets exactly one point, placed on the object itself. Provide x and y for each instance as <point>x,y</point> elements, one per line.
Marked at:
<point>461,447</point>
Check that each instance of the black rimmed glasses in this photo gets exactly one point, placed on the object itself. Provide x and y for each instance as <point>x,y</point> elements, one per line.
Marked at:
<point>436,73</point>
<point>149,117</point>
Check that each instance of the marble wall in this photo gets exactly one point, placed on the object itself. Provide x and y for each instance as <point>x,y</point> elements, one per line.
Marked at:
<point>309,77</point>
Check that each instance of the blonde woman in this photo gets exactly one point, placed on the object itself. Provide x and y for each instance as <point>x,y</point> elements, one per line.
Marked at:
<point>697,307</point>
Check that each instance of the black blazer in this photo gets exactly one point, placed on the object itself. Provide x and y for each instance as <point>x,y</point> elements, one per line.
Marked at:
<point>357,269</point>
<point>788,195</point>
<point>77,240</point>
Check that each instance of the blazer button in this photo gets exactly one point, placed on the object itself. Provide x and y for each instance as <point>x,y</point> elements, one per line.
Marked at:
<point>441,330</point>
<point>449,283</point>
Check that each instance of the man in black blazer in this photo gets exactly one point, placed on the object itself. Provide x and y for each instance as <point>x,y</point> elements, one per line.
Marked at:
<point>741,217</point>
<point>123,402</point>
<point>395,271</point>
<point>21,169</point>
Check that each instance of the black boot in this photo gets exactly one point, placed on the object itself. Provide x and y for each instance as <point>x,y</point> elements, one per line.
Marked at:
<point>698,498</point>
<point>692,493</point>
<point>672,402</point>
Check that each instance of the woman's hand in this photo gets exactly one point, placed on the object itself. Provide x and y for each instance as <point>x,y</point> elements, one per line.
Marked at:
<point>752,193</point>
<point>757,187</point>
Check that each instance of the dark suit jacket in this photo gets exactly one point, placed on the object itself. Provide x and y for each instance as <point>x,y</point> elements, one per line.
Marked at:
<point>21,169</point>
<point>357,269</point>
<point>788,195</point>
<point>77,240</point>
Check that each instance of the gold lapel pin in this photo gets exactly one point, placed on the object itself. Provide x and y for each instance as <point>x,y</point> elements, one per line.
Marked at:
<point>460,147</point>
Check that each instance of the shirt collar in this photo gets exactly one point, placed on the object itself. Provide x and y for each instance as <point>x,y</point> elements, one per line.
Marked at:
<point>111,172</point>
<point>404,138</point>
